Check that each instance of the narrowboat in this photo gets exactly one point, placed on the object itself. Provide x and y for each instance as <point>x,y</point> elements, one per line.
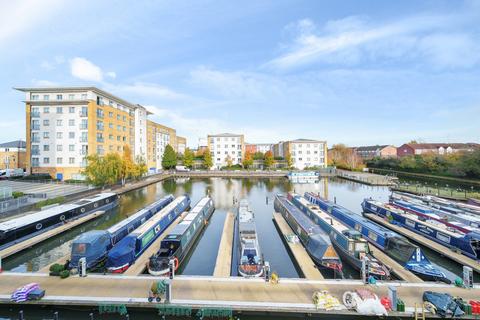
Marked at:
<point>127,250</point>
<point>19,229</point>
<point>178,243</point>
<point>94,245</point>
<point>251,263</point>
<point>394,245</point>
<point>303,176</point>
<point>467,243</point>
<point>346,241</point>
<point>314,239</point>
<point>451,217</point>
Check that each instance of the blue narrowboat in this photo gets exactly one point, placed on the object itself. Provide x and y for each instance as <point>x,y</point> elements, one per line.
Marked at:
<point>347,242</point>
<point>467,243</point>
<point>391,243</point>
<point>178,243</point>
<point>314,239</point>
<point>94,245</point>
<point>19,229</point>
<point>127,250</point>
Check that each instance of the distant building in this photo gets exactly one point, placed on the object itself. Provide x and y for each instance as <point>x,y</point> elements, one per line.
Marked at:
<point>181,144</point>
<point>258,147</point>
<point>224,147</point>
<point>382,151</point>
<point>304,152</point>
<point>13,155</point>
<point>158,137</point>
<point>436,148</point>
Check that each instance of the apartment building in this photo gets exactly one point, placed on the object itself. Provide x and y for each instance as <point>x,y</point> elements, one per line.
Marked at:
<point>226,147</point>
<point>181,144</point>
<point>65,124</point>
<point>377,151</point>
<point>158,137</point>
<point>258,147</point>
<point>304,152</point>
<point>12,155</point>
<point>409,149</point>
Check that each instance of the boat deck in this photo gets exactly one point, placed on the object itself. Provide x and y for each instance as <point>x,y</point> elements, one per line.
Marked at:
<point>28,243</point>
<point>303,260</point>
<point>223,264</point>
<point>395,267</point>
<point>457,257</point>
<point>140,264</point>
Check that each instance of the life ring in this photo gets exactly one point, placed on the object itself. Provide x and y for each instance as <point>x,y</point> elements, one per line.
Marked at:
<point>175,261</point>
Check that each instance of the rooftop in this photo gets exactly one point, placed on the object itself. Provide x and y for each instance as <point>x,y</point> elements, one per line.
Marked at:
<point>468,145</point>
<point>14,144</point>
<point>371,148</point>
<point>306,140</point>
<point>225,135</point>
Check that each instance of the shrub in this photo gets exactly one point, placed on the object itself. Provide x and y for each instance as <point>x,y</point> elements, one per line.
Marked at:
<point>47,202</point>
<point>64,274</point>
<point>17,194</point>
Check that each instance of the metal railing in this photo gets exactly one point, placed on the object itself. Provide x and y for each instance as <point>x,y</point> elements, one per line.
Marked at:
<point>35,114</point>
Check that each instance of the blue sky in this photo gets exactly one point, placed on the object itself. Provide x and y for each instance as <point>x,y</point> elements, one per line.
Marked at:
<point>357,72</point>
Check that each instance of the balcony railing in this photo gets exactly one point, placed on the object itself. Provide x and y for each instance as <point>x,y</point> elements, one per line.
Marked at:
<point>36,139</point>
<point>83,139</point>
<point>83,152</point>
<point>83,113</point>
<point>35,114</point>
<point>100,140</point>
<point>35,127</point>
<point>35,152</point>
<point>83,126</point>
<point>100,128</point>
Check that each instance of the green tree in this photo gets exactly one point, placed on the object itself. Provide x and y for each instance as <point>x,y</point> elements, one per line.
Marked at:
<point>289,160</point>
<point>169,159</point>
<point>140,168</point>
<point>247,160</point>
<point>269,161</point>
<point>229,161</point>
<point>101,171</point>
<point>188,158</point>
<point>128,167</point>
<point>258,156</point>
<point>207,159</point>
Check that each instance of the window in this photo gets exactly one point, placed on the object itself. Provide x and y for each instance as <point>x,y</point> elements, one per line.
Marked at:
<point>84,112</point>
<point>71,147</point>
<point>118,138</point>
<point>110,147</point>
<point>46,110</point>
<point>46,97</point>
<point>124,129</point>
<point>84,137</point>
<point>71,135</point>
<point>110,102</point>
<point>84,124</point>
<point>110,125</point>
<point>59,97</point>
<point>119,127</point>
<point>59,135</point>
<point>71,109</point>
<point>46,147</point>
<point>118,117</point>
<point>59,147</point>
<point>59,110</point>
<point>110,114</point>
<point>46,135</point>
<point>71,122</point>
<point>124,118</point>
<point>99,137</point>
<point>71,97</point>
<point>35,162</point>
<point>110,136</point>
<point>46,160</point>
<point>59,160</point>
<point>71,160</point>
<point>34,96</point>
<point>46,122</point>
<point>59,122</point>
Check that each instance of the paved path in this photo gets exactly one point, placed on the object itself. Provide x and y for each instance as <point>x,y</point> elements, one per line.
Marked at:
<point>299,253</point>
<point>48,234</point>
<point>458,257</point>
<point>223,264</point>
<point>50,189</point>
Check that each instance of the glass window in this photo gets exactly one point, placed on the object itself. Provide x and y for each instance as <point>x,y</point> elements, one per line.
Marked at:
<point>71,147</point>
<point>34,96</point>
<point>110,125</point>
<point>59,97</point>
<point>46,110</point>
<point>59,147</point>
<point>59,110</point>
<point>84,96</point>
<point>46,160</point>
<point>46,135</point>
<point>71,109</point>
<point>71,122</point>
<point>46,122</point>
<point>35,162</point>
<point>71,160</point>
<point>71,135</point>
<point>110,114</point>
<point>46,147</point>
<point>59,160</point>
<point>71,97</point>
<point>46,97</point>
<point>59,135</point>
<point>59,122</point>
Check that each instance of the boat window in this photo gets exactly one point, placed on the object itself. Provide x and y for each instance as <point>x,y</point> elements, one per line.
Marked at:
<point>372,235</point>
<point>250,253</point>
<point>79,248</point>
<point>400,249</point>
<point>360,246</point>
<point>475,243</point>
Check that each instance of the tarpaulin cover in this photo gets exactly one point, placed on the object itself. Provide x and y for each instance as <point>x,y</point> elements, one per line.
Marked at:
<point>93,245</point>
<point>444,303</point>
<point>122,253</point>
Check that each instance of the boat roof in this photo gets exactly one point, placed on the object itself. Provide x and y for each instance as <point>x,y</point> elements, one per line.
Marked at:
<point>180,228</point>
<point>358,218</point>
<point>138,214</point>
<point>44,214</point>
<point>159,216</point>
<point>305,222</point>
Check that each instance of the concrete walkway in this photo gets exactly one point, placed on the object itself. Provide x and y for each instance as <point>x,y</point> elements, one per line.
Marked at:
<point>223,264</point>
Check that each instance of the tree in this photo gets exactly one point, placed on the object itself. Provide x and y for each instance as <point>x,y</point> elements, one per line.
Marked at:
<point>101,171</point>
<point>207,159</point>
<point>188,157</point>
<point>289,160</point>
<point>229,161</point>
<point>169,159</point>
<point>345,158</point>
<point>269,161</point>
<point>128,167</point>
<point>247,160</point>
<point>258,156</point>
<point>140,167</point>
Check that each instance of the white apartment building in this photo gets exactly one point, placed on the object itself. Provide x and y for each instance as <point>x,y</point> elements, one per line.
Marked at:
<point>264,147</point>
<point>225,147</point>
<point>304,152</point>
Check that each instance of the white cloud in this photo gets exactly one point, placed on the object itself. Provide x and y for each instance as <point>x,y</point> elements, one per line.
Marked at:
<point>84,69</point>
<point>354,39</point>
<point>17,17</point>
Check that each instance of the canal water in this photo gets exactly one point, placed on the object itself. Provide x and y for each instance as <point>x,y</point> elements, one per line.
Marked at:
<point>259,192</point>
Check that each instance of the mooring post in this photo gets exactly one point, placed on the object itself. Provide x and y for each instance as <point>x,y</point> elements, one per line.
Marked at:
<point>20,315</point>
<point>91,315</point>
<point>335,199</point>
<point>168,291</point>
<point>171,267</point>
<point>55,315</point>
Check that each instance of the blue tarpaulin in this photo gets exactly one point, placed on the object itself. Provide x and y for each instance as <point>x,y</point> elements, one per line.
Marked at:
<point>92,245</point>
<point>122,253</point>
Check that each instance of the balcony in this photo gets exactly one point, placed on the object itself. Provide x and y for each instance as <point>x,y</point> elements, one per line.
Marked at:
<point>83,152</point>
<point>83,126</point>
<point>35,114</point>
<point>35,152</point>
<point>35,139</point>
<point>100,128</point>
<point>84,139</point>
<point>83,113</point>
<point>101,140</point>
<point>35,127</point>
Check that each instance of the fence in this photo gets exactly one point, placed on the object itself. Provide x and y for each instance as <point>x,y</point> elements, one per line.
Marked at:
<point>14,204</point>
